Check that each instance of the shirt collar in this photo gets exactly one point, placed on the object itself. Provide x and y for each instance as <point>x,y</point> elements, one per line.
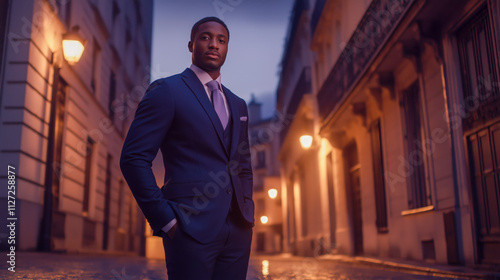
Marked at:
<point>203,76</point>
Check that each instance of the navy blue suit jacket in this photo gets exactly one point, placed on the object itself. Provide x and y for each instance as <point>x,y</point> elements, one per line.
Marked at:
<point>176,116</point>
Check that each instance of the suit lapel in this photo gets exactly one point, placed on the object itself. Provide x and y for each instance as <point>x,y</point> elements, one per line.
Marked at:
<point>199,92</point>
<point>234,115</point>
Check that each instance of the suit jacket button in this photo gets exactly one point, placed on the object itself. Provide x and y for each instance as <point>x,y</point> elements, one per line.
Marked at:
<point>229,191</point>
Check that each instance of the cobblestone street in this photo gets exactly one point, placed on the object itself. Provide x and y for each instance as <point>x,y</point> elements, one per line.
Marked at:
<point>73,266</point>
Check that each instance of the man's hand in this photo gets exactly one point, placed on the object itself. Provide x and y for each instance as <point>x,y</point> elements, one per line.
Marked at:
<point>171,232</point>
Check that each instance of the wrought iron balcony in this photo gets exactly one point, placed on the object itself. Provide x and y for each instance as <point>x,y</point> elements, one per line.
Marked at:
<point>377,24</point>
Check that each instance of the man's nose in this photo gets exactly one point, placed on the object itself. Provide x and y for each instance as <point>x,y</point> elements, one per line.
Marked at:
<point>213,44</point>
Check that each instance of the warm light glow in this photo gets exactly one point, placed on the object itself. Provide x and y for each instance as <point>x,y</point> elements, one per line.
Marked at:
<point>73,50</point>
<point>265,268</point>
<point>273,193</point>
<point>306,141</point>
<point>264,219</point>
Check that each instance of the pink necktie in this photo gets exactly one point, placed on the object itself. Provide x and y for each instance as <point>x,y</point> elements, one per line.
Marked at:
<point>218,102</point>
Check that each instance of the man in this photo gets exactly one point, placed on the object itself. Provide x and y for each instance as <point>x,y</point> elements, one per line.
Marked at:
<point>204,211</point>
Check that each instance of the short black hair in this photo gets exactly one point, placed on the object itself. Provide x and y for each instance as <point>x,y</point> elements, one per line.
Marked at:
<point>196,26</point>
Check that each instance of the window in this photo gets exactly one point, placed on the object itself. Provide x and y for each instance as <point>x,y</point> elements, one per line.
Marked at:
<point>331,198</point>
<point>260,208</point>
<point>4,7</point>
<point>112,96</point>
<point>258,183</point>
<point>86,184</point>
<point>477,61</point>
<point>291,217</point>
<point>303,203</point>
<point>378,176</point>
<point>64,11</point>
<point>137,6</point>
<point>120,237</point>
<point>121,193</point>
<point>107,202</point>
<point>261,159</point>
<point>116,11</point>
<point>95,66</point>
<point>128,36</point>
<point>261,241</point>
<point>418,195</point>
<point>116,24</point>
<point>132,223</point>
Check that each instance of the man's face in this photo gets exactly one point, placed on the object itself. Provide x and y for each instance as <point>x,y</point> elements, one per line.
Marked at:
<point>209,46</point>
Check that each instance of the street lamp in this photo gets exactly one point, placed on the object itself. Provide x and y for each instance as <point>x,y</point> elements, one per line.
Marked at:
<point>273,193</point>
<point>73,46</point>
<point>264,219</point>
<point>306,141</point>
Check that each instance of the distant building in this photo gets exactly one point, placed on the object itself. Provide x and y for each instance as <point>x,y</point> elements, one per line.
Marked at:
<point>299,172</point>
<point>264,145</point>
<point>401,101</point>
<point>63,125</point>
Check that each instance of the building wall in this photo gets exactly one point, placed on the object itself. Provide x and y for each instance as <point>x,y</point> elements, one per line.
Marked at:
<point>409,227</point>
<point>264,140</point>
<point>33,53</point>
<point>417,50</point>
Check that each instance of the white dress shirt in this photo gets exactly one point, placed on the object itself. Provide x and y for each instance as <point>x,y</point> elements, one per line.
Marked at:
<point>204,78</point>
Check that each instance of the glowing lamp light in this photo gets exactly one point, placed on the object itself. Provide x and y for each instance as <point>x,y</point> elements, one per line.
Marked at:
<point>73,51</point>
<point>306,141</point>
<point>264,219</point>
<point>265,268</point>
<point>273,193</point>
<point>73,46</point>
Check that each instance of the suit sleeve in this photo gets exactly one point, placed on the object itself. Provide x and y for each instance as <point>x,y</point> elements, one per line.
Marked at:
<point>152,120</point>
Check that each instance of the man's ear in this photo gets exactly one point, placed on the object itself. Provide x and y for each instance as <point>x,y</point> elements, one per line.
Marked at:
<point>190,46</point>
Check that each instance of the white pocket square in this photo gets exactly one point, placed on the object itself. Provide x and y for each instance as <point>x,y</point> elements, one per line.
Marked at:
<point>243,119</point>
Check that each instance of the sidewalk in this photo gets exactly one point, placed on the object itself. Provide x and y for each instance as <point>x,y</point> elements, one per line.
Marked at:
<point>407,266</point>
<point>45,266</point>
<point>86,266</point>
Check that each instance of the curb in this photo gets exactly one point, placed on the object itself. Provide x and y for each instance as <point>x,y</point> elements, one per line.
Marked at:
<point>414,269</point>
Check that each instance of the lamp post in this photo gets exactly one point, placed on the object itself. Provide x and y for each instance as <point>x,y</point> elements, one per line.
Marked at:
<point>73,46</point>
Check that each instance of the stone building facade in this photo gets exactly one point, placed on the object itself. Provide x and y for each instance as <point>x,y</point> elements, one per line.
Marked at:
<point>63,125</point>
<point>403,110</point>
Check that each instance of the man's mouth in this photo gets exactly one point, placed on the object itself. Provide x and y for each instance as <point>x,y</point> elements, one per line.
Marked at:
<point>213,55</point>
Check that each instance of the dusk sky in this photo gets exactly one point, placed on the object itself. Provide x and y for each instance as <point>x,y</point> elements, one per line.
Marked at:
<point>257,33</point>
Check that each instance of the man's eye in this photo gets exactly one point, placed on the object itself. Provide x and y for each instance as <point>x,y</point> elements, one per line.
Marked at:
<point>222,41</point>
<point>204,37</point>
